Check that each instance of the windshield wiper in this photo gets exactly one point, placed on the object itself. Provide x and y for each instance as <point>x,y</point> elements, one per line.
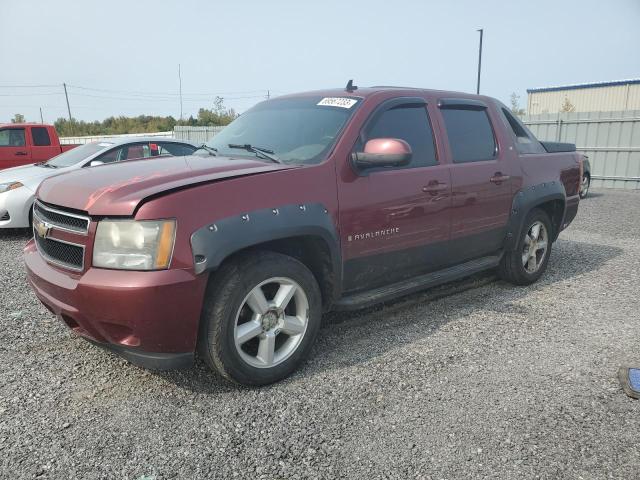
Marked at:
<point>46,165</point>
<point>259,151</point>
<point>211,150</point>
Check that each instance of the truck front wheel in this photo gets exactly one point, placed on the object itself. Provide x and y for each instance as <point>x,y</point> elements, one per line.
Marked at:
<point>528,261</point>
<point>260,319</point>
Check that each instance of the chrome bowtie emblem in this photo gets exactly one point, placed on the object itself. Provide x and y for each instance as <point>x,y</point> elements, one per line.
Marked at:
<point>42,229</point>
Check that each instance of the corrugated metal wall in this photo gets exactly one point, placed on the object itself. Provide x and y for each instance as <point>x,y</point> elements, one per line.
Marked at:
<point>196,134</point>
<point>597,99</point>
<point>95,138</point>
<point>611,140</point>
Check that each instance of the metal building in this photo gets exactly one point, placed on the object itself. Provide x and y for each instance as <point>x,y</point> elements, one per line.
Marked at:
<point>586,97</point>
<point>611,140</point>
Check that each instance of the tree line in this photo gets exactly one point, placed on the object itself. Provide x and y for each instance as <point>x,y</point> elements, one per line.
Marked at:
<point>206,117</point>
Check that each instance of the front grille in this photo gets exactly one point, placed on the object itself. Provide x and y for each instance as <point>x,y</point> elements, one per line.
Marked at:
<point>5,217</point>
<point>62,253</point>
<point>63,220</point>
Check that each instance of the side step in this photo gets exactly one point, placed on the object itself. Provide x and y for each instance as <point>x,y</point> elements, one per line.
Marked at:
<point>368,298</point>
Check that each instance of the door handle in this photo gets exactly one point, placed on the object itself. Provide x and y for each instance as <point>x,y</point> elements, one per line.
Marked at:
<point>434,187</point>
<point>498,178</point>
<point>21,154</point>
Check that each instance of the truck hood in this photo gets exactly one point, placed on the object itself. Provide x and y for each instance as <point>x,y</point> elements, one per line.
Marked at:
<point>28,175</point>
<point>117,189</point>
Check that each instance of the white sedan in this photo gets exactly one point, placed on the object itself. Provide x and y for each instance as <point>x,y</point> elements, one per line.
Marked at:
<point>18,185</point>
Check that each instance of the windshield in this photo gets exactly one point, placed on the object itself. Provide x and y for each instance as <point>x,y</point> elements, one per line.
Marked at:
<point>296,130</point>
<point>77,154</point>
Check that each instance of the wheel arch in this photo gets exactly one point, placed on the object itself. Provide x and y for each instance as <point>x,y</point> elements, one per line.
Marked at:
<point>304,232</point>
<point>549,197</point>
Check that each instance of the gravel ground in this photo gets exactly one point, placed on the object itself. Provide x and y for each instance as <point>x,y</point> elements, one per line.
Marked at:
<point>490,382</point>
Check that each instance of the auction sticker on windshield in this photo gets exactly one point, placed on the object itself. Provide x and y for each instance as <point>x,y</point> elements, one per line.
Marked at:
<point>338,102</point>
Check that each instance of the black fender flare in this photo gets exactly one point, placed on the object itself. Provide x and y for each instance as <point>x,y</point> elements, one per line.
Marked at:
<point>526,200</point>
<point>216,241</point>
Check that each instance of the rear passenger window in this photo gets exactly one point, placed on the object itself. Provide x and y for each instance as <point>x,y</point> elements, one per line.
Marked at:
<point>470,134</point>
<point>411,124</point>
<point>40,137</point>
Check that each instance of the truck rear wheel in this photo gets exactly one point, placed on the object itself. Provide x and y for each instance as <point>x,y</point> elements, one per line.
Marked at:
<point>584,186</point>
<point>260,319</point>
<point>529,260</point>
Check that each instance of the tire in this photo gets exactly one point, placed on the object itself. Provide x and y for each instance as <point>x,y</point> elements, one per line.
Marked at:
<point>514,268</point>
<point>253,348</point>
<point>584,186</point>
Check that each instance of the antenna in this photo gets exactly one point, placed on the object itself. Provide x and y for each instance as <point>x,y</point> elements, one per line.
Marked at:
<point>350,86</point>
<point>180,89</point>
<point>481,30</point>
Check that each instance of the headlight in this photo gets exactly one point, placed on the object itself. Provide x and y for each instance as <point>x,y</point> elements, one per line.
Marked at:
<point>5,187</point>
<point>134,245</point>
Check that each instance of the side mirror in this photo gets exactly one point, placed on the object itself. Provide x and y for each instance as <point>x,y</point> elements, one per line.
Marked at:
<point>95,163</point>
<point>383,152</point>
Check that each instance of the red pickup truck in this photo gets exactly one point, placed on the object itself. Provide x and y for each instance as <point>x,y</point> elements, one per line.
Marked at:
<point>325,200</point>
<point>26,143</point>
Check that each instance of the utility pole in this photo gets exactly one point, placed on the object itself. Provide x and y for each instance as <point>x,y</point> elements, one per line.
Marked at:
<point>481,30</point>
<point>180,87</point>
<point>67,97</point>
<point>41,119</point>
<point>268,94</point>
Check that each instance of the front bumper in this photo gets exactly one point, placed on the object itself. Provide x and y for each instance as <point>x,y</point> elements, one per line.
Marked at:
<point>150,318</point>
<point>15,206</point>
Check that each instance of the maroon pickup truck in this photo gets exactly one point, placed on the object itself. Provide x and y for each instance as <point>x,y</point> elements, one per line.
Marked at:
<point>26,143</point>
<point>334,199</point>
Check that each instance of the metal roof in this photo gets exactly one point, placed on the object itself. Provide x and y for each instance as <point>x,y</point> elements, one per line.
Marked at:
<point>577,86</point>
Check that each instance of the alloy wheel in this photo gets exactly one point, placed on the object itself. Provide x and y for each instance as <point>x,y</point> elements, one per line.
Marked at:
<point>271,322</point>
<point>535,247</point>
<point>584,186</point>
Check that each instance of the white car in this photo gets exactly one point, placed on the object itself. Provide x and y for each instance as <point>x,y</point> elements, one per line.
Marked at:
<point>18,185</point>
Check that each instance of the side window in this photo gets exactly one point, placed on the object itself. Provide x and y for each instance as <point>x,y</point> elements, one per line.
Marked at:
<point>470,134</point>
<point>525,141</point>
<point>128,152</point>
<point>176,149</point>
<point>12,137</point>
<point>140,150</point>
<point>111,156</point>
<point>411,124</point>
<point>40,137</point>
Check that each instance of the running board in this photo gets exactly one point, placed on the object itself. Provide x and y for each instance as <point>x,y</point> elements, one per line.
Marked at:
<point>368,298</point>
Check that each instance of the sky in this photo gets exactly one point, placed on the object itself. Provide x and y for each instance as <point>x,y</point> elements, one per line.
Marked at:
<point>121,57</point>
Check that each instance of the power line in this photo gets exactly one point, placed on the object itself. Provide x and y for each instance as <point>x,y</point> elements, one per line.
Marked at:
<point>102,94</point>
<point>163,94</point>
<point>28,94</point>
<point>29,86</point>
<point>159,99</point>
<point>130,94</point>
